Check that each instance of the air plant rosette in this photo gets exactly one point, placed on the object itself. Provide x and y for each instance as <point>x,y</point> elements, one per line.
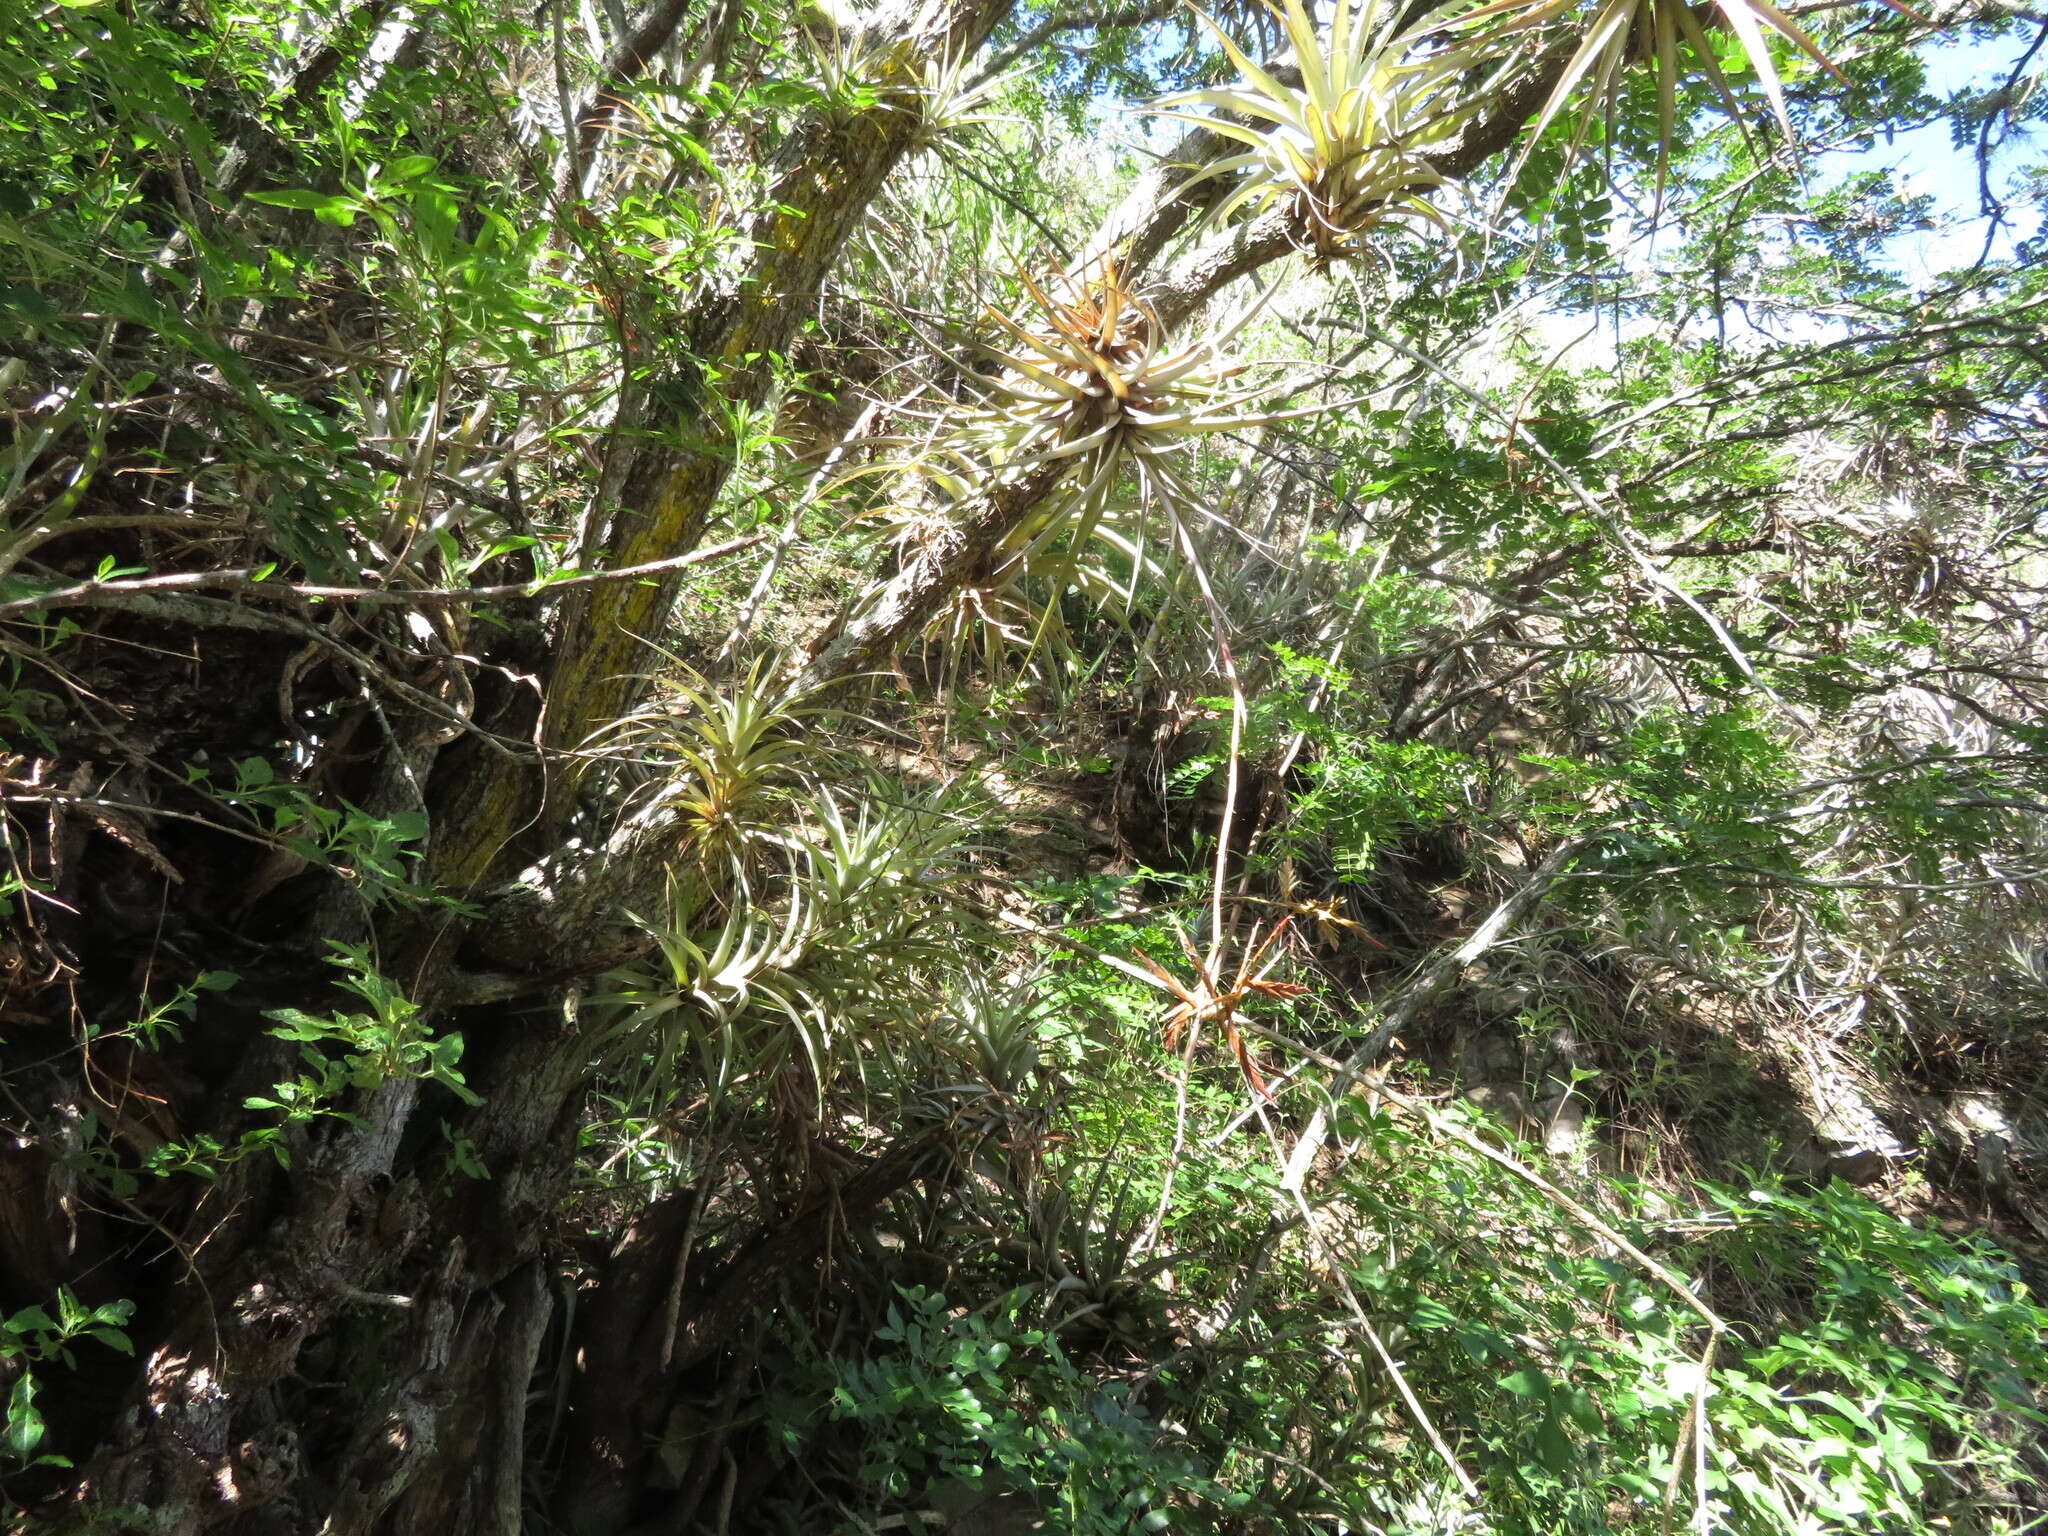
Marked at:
<point>1087,388</point>
<point>1095,385</point>
<point>1348,147</point>
<point>1611,34</point>
<point>1093,381</point>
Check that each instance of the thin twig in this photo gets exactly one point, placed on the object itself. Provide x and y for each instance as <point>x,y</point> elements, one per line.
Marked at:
<point>249,583</point>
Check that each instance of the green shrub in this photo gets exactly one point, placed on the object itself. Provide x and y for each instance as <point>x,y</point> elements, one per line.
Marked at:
<point>983,1397</point>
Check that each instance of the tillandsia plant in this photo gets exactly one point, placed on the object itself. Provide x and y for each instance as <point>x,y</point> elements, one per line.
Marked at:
<point>1348,146</point>
<point>942,90</point>
<point>1090,379</point>
<point>955,101</point>
<point>1213,1000</point>
<point>1013,611</point>
<point>823,970</point>
<point>1380,90</point>
<point>725,764</point>
<point>1090,391</point>
<point>1614,33</point>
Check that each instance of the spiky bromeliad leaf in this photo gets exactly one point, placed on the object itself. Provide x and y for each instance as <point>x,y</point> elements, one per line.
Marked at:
<point>1089,388</point>
<point>953,101</point>
<point>1613,33</point>
<point>1349,144</point>
<point>829,971</point>
<point>1091,383</point>
<point>725,763</point>
<point>1011,609</point>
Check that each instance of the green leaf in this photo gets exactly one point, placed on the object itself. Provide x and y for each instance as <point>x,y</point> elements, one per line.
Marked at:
<point>23,1431</point>
<point>300,199</point>
<point>1432,1314</point>
<point>1553,1446</point>
<point>324,206</point>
